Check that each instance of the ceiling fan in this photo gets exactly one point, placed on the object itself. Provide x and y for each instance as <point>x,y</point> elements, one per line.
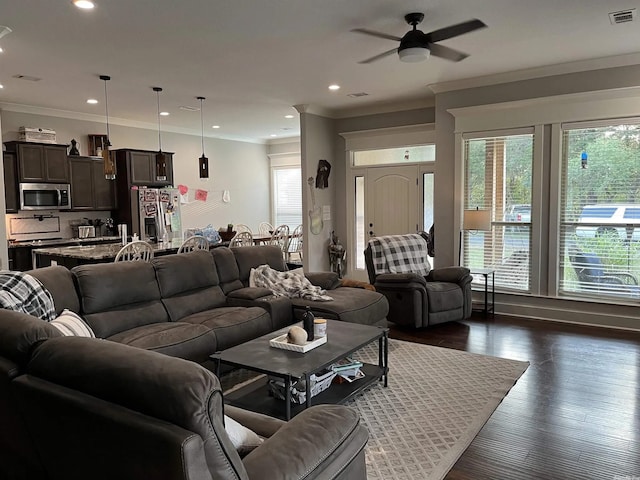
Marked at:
<point>416,46</point>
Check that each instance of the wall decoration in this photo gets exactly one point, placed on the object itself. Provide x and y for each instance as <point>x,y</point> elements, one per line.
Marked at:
<point>74,147</point>
<point>322,178</point>
<point>201,195</point>
<point>315,214</point>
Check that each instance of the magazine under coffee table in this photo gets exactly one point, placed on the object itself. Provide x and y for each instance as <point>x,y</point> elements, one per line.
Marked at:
<point>343,339</point>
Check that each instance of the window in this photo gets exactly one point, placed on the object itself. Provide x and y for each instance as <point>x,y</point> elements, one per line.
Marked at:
<point>498,175</point>
<point>600,210</point>
<point>390,156</point>
<point>287,196</point>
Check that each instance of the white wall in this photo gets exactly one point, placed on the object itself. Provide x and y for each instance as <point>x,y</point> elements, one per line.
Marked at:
<point>317,142</point>
<point>241,168</point>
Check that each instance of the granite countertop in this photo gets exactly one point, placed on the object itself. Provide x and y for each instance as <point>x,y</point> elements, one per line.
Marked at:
<point>61,242</point>
<point>101,252</point>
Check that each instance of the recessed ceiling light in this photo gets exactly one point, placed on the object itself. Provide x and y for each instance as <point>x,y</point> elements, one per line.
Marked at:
<point>334,87</point>
<point>84,4</point>
<point>164,114</point>
<point>215,126</point>
<point>92,101</point>
<point>1,50</point>
<point>273,135</point>
<point>1,86</point>
<point>288,116</point>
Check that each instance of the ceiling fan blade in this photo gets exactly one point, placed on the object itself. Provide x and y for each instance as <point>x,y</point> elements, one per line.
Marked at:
<point>454,30</point>
<point>378,57</point>
<point>376,34</point>
<point>446,52</point>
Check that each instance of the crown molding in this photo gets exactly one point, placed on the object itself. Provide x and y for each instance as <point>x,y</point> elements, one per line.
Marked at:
<point>538,72</point>
<point>122,122</point>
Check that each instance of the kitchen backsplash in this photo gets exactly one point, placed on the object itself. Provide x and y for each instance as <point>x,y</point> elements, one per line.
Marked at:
<point>42,225</point>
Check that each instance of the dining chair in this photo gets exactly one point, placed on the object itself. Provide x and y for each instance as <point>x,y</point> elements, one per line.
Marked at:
<point>138,250</point>
<point>280,237</point>
<point>241,239</point>
<point>265,228</point>
<point>294,249</point>
<point>241,227</point>
<point>195,242</point>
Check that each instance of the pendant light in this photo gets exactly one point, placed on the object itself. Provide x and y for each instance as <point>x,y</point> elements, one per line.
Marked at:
<point>161,161</point>
<point>203,162</point>
<point>108,163</point>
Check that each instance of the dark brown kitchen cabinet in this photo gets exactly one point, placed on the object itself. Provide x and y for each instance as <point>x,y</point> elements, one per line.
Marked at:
<point>10,182</point>
<point>40,162</point>
<point>89,189</point>
<point>138,167</point>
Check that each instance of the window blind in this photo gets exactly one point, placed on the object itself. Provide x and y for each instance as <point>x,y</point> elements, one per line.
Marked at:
<point>287,196</point>
<point>600,209</point>
<point>498,176</point>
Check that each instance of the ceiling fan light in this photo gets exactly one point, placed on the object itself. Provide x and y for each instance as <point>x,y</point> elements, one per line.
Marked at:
<point>414,54</point>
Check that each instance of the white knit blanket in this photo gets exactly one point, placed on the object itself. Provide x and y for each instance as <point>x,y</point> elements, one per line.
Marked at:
<point>287,284</point>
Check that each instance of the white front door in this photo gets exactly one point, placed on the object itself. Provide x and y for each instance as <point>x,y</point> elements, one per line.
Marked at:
<point>392,203</point>
<point>387,202</point>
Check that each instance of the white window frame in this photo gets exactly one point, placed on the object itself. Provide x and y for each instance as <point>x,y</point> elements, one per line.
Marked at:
<point>282,161</point>
<point>545,115</point>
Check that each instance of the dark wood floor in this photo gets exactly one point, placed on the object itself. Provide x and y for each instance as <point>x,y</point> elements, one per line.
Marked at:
<point>574,414</point>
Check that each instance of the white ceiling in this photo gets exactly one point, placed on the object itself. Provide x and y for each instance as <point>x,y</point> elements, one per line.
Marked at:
<point>255,60</point>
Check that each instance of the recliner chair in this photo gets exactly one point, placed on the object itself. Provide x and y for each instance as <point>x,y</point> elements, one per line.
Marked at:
<point>418,296</point>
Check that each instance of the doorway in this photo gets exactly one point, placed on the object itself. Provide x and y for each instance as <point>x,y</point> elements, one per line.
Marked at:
<point>389,200</point>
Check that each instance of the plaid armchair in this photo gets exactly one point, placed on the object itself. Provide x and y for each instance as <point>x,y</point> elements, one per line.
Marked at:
<point>398,267</point>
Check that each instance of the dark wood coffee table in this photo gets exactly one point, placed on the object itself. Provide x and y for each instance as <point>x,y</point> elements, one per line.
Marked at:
<point>343,339</point>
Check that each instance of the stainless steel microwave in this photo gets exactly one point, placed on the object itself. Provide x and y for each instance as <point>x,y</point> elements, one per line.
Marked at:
<point>45,196</point>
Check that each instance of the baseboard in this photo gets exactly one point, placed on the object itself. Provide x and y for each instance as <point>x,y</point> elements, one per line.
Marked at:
<point>581,312</point>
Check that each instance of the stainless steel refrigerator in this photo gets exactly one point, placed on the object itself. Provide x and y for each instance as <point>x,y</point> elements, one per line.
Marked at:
<point>155,214</point>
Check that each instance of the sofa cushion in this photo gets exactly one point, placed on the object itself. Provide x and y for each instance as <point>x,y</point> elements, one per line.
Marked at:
<point>60,283</point>
<point>183,340</point>
<point>227,268</point>
<point>355,305</point>
<point>253,256</point>
<point>188,283</point>
<point>233,325</point>
<point>119,296</point>
<point>444,296</point>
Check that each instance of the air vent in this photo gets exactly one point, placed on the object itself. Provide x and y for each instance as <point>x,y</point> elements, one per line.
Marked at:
<point>27,77</point>
<point>356,95</point>
<point>623,16</point>
<point>189,109</point>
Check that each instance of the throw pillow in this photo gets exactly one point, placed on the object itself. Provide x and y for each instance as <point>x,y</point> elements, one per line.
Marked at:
<point>71,324</point>
<point>243,439</point>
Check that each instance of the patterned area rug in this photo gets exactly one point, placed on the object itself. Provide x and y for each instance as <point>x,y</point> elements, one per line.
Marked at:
<point>437,401</point>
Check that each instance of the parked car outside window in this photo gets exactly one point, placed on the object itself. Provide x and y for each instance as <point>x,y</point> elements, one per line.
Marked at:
<point>518,213</point>
<point>610,219</point>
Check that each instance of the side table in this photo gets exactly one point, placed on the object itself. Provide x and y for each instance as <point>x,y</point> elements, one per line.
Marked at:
<point>489,307</point>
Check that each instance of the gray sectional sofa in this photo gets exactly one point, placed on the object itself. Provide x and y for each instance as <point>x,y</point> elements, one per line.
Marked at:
<point>188,306</point>
<point>77,408</point>
<point>194,304</point>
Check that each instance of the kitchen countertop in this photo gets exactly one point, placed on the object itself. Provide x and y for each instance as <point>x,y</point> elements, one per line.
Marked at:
<point>101,252</point>
<point>60,242</point>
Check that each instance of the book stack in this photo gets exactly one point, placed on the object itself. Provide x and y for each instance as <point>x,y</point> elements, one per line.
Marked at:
<point>347,370</point>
